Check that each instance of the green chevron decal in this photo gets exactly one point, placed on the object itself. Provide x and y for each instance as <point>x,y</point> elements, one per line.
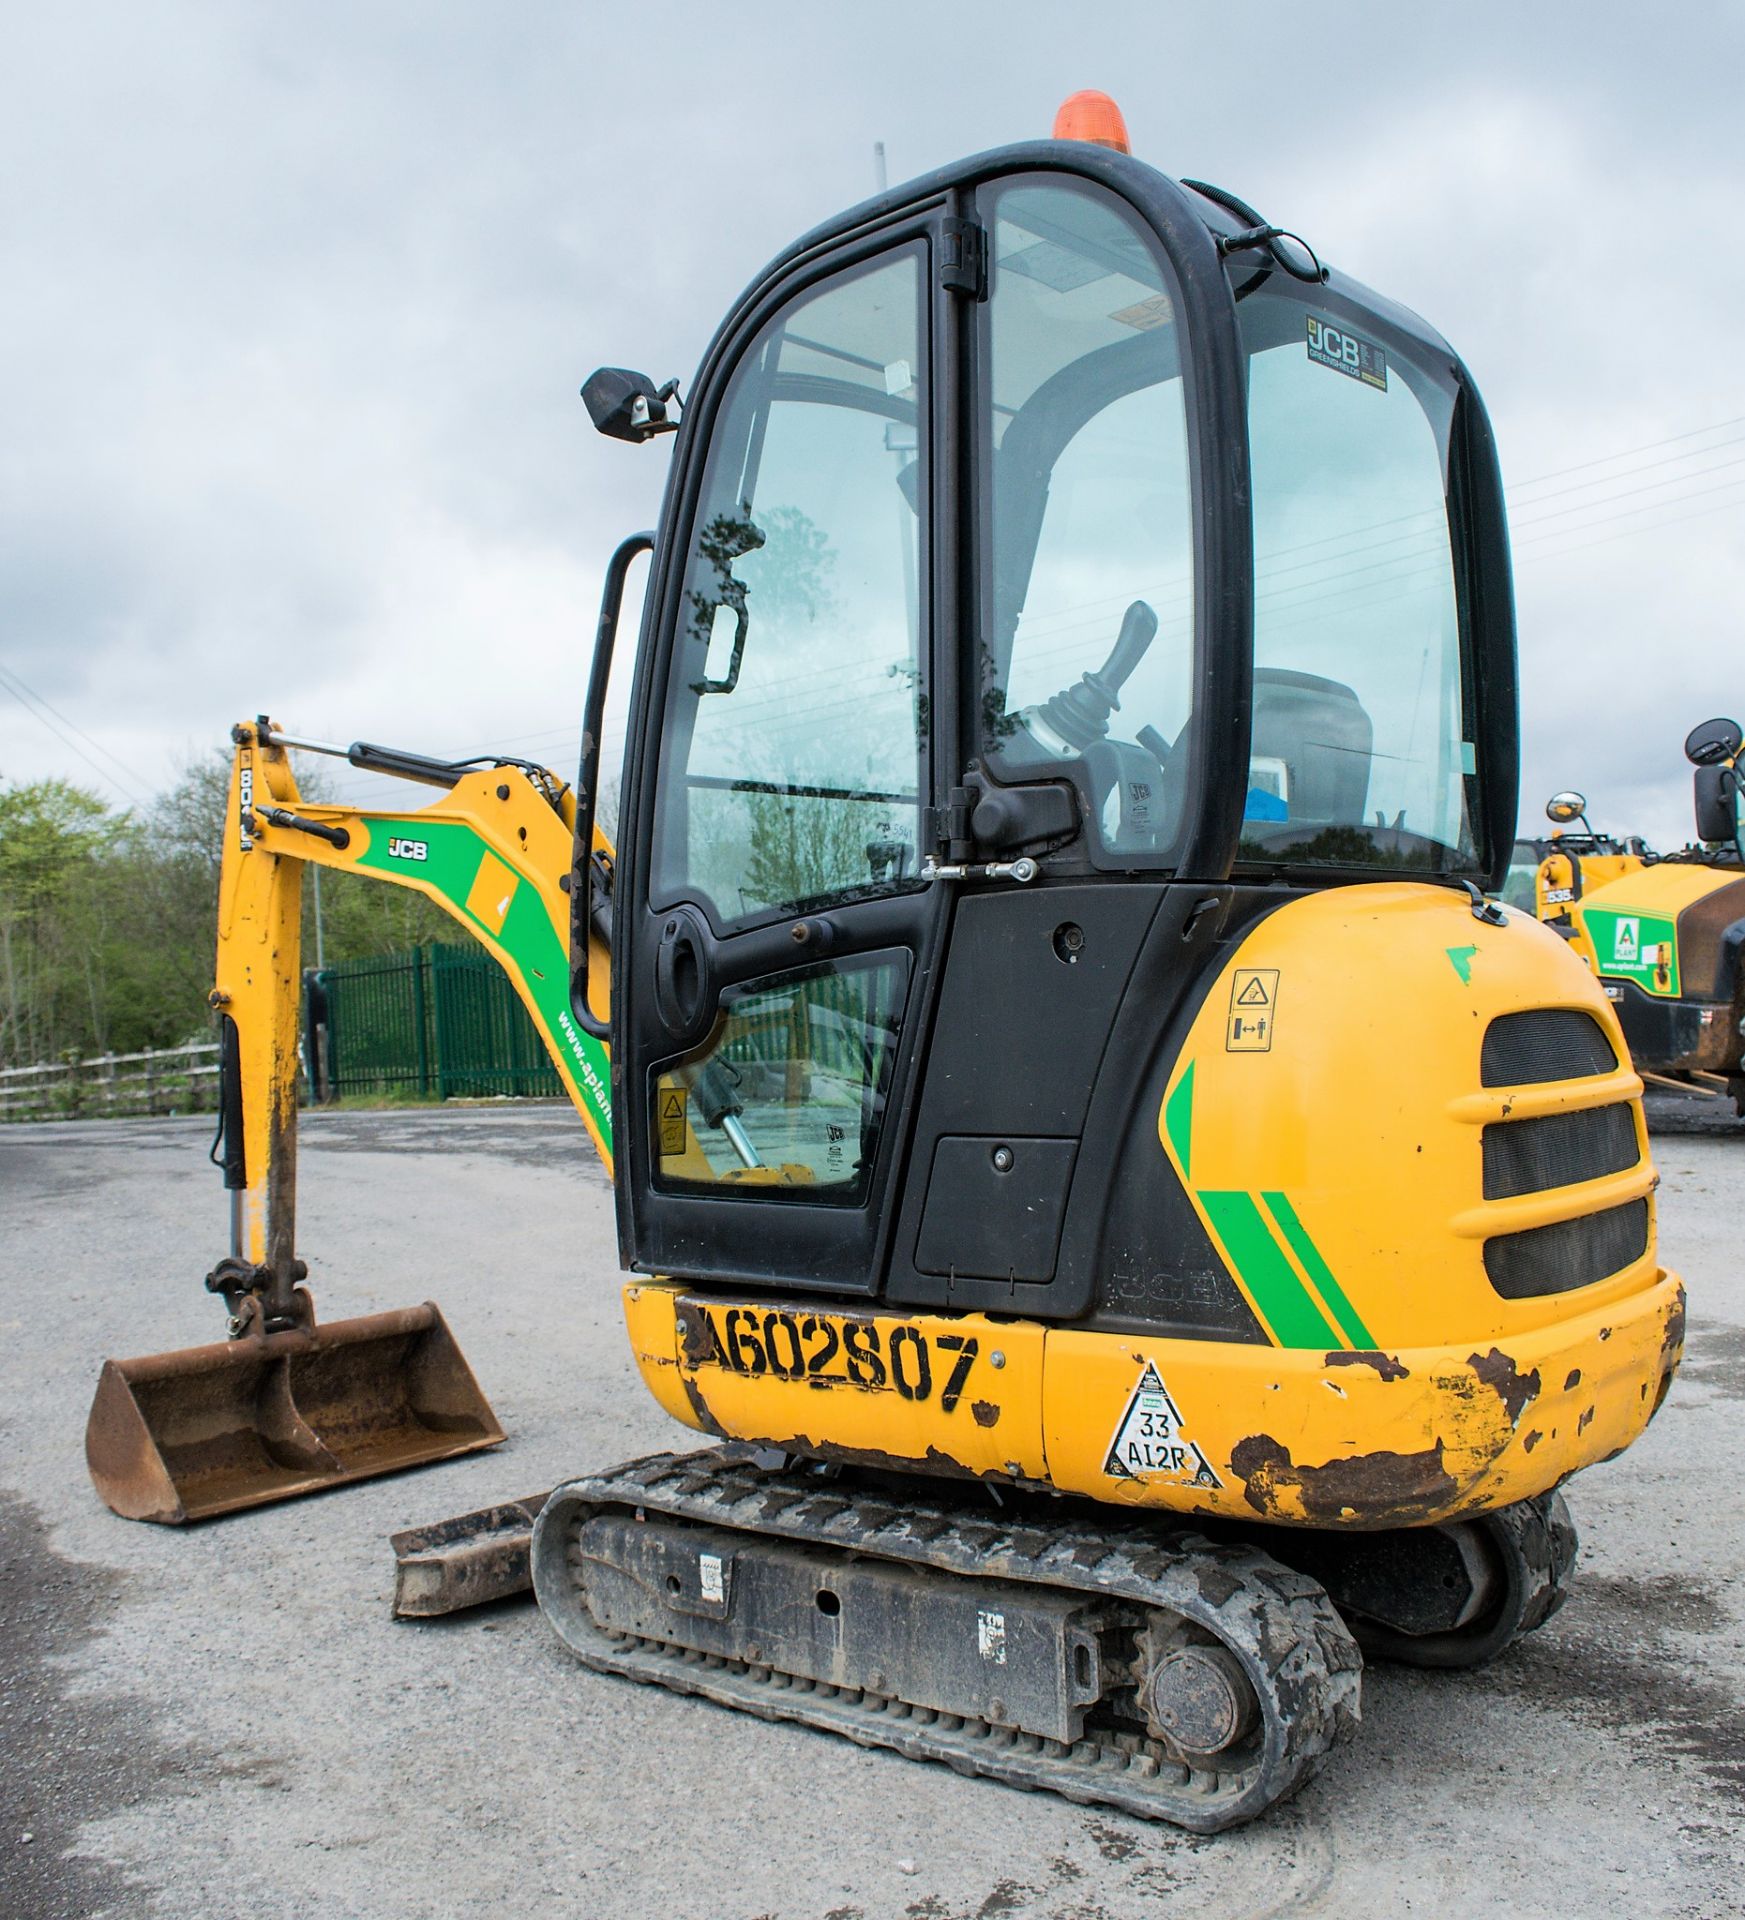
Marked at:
<point>1249,1228</point>
<point>502,906</point>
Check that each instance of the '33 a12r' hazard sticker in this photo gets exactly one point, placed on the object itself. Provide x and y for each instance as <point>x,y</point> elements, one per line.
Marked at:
<point>1149,1444</point>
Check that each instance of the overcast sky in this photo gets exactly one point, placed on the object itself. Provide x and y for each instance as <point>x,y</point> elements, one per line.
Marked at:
<point>295,299</point>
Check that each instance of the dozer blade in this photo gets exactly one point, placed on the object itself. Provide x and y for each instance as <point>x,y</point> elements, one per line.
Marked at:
<point>465,1561</point>
<point>183,1436</point>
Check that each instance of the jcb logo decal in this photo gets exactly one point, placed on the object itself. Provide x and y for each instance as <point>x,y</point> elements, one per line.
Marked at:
<point>408,850</point>
<point>1348,353</point>
<point>1334,344</point>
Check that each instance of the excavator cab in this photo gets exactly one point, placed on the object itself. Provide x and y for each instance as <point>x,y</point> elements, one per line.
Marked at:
<point>1073,727</point>
<point>1056,560</point>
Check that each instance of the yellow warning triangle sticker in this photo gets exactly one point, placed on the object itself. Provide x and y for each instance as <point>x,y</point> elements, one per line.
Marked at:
<point>1254,994</point>
<point>672,1106</point>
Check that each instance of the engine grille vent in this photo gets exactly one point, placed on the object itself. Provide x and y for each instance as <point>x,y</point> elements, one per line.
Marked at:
<point>1557,1150</point>
<point>1544,1043</point>
<point>1568,1254</point>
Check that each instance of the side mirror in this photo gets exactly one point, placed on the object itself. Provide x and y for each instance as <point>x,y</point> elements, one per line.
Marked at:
<point>1717,789</point>
<point>1710,744</point>
<point>1565,807</point>
<point>625,405</point>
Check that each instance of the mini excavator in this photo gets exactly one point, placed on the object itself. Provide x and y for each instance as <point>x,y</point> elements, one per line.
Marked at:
<point>1665,933</point>
<point>1138,1226</point>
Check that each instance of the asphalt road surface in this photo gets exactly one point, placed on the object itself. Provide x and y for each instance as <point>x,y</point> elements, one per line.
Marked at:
<point>224,1720</point>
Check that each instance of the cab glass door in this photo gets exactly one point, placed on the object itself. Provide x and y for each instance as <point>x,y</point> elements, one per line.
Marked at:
<point>785,916</point>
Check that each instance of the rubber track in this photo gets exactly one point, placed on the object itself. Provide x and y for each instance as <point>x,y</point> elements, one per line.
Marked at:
<point>1299,1657</point>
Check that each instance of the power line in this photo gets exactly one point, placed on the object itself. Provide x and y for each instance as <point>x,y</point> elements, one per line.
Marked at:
<point>1630,473</point>
<point>17,680</point>
<point>1606,459</point>
<point>7,680</point>
<point>1721,506</point>
<point>1653,486</point>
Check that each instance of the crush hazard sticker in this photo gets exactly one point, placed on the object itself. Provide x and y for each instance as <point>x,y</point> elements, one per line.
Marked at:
<point>1253,1000</point>
<point>1348,353</point>
<point>1149,1444</point>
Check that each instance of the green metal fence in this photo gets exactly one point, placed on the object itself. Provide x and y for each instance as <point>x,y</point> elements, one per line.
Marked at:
<point>438,1020</point>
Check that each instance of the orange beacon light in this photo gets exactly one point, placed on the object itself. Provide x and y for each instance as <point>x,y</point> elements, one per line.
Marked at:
<point>1092,116</point>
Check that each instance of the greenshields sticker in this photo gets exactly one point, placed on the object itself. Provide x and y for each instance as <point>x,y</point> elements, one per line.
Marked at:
<point>1348,353</point>
<point>1635,946</point>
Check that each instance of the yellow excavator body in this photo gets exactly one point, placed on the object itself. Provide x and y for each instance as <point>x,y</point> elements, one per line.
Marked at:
<point>1137,1219</point>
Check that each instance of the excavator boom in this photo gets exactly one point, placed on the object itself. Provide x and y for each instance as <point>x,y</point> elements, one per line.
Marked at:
<point>286,1406</point>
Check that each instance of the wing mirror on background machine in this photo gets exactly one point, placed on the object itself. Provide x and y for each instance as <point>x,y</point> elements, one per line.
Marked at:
<point>1711,749</point>
<point>1567,807</point>
<point>1713,742</point>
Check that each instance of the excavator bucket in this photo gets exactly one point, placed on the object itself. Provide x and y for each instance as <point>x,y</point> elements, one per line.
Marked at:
<point>188,1435</point>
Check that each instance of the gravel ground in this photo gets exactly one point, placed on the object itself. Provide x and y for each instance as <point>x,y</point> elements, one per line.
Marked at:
<point>224,1720</point>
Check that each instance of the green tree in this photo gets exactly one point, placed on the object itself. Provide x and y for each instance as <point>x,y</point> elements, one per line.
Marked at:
<point>52,838</point>
<point>108,920</point>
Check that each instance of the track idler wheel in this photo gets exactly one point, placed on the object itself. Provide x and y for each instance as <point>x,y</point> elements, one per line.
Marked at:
<point>1522,1556</point>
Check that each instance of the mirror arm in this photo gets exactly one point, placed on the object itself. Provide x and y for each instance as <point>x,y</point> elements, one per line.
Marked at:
<point>587,780</point>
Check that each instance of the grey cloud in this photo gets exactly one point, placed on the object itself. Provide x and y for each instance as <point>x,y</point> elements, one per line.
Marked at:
<point>296,302</point>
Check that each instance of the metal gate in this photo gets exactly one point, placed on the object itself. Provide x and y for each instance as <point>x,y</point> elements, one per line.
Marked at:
<point>438,1020</point>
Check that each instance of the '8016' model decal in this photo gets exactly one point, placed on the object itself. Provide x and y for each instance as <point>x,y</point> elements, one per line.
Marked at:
<point>830,1350</point>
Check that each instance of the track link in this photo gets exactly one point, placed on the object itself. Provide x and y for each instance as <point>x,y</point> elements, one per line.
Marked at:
<point>1291,1646</point>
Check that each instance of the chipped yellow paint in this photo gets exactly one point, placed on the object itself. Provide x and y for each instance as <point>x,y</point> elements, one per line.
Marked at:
<point>648,1319</point>
<point>1408,1437</point>
<point>1405,1437</point>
